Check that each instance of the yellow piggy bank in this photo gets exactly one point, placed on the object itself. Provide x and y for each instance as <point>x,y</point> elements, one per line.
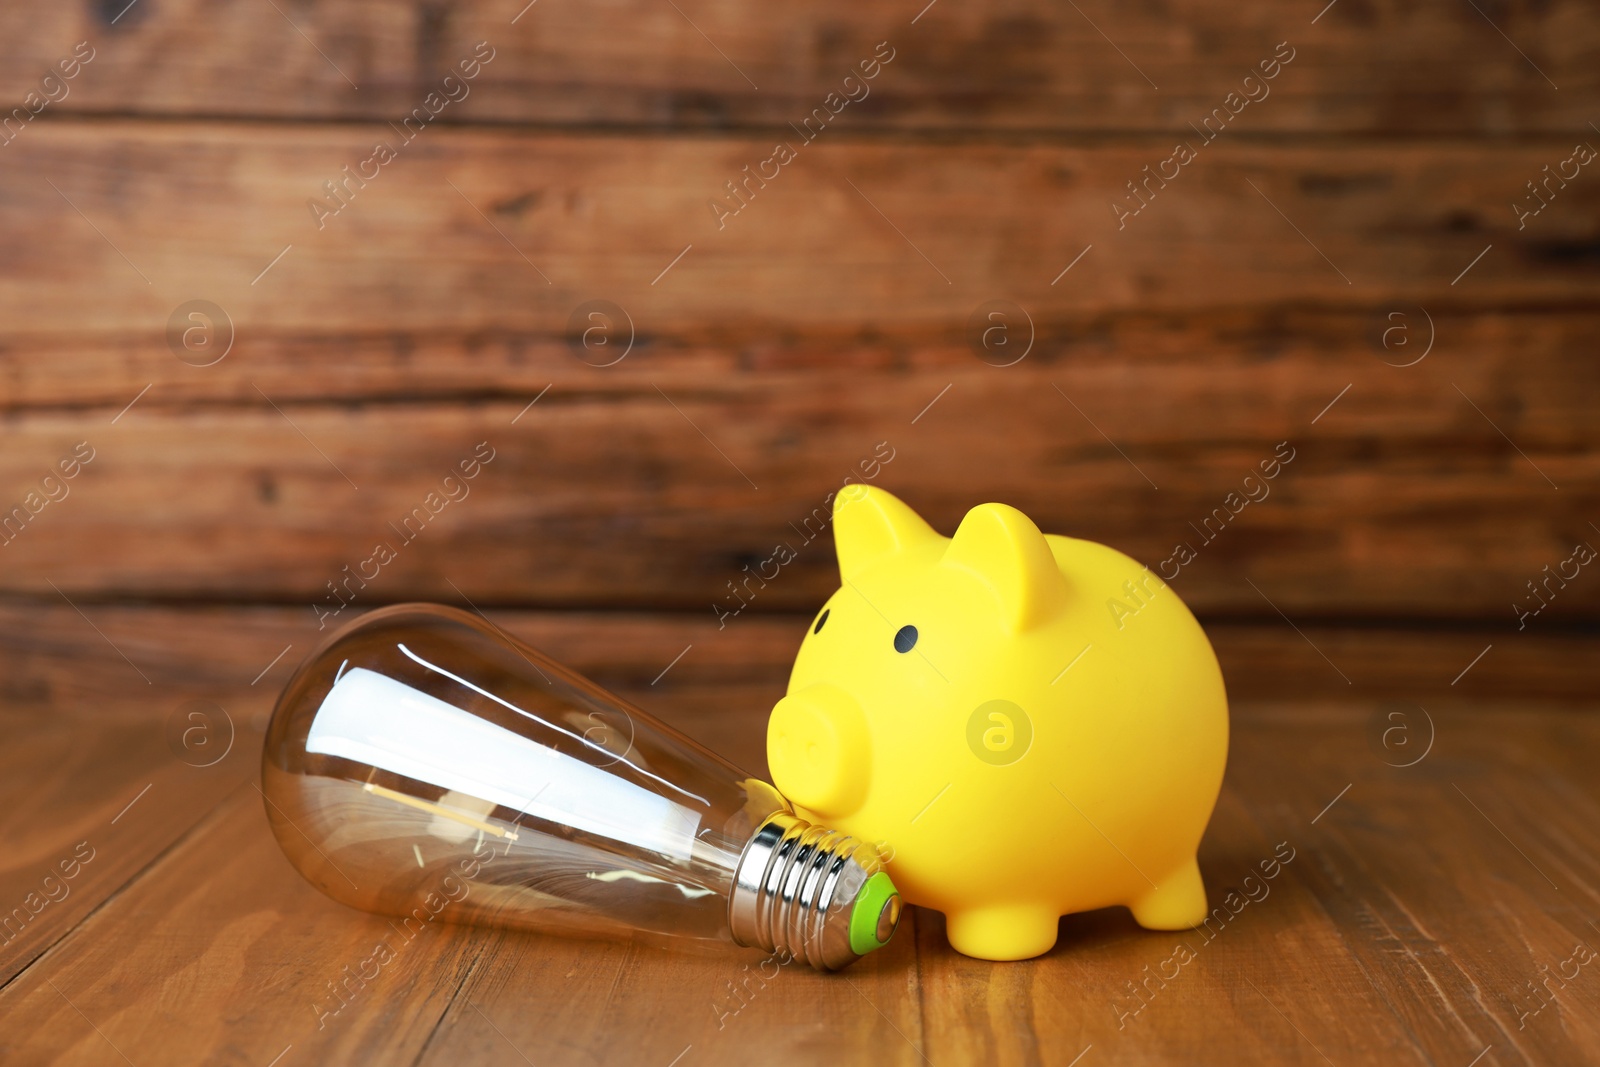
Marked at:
<point>1033,725</point>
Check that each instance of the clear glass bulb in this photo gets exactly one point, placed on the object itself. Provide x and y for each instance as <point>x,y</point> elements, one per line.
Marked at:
<point>424,764</point>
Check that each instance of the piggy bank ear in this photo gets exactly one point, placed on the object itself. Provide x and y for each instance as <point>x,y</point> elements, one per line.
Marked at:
<point>1002,547</point>
<point>869,524</point>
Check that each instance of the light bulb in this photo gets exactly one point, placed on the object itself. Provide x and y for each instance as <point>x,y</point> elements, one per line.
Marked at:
<point>424,764</point>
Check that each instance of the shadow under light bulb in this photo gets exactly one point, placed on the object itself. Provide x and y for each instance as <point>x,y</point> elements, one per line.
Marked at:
<point>426,765</point>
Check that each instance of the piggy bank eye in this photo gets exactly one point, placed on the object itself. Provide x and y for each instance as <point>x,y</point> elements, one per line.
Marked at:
<point>821,619</point>
<point>905,639</point>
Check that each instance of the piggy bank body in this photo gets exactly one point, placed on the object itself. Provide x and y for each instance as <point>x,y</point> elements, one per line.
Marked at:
<point>1032,725</point>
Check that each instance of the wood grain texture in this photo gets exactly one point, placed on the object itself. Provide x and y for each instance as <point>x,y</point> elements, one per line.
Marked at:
<point>54,660</point>
<point>472,231</point>
<point>98,733</point>
<point>1404,929</point>
<point>1246,358</point>
<point>631,486</point>
<point>98,789</point>
<point>1381,67</point>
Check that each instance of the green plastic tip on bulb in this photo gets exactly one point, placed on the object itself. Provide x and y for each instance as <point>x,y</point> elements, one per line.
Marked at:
<point>875,915</point>
<point>813,893</point>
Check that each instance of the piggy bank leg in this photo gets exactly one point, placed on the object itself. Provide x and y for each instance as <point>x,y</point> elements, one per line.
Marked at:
<point>1002,931</point>
<point>1178,902</point>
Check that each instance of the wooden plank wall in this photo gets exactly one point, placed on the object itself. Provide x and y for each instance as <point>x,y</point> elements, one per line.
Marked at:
<point>1276,296</point>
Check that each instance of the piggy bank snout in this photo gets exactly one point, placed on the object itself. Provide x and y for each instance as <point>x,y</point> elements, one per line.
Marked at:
<point>818,748</point>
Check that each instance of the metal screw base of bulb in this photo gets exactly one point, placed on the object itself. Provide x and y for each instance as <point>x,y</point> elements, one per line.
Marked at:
<point>798,890</point>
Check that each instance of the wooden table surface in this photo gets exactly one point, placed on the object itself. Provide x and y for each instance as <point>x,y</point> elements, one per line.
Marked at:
<point>1413,912</point>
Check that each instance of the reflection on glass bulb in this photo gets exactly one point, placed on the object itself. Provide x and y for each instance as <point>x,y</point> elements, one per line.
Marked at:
<point>424,764</point>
